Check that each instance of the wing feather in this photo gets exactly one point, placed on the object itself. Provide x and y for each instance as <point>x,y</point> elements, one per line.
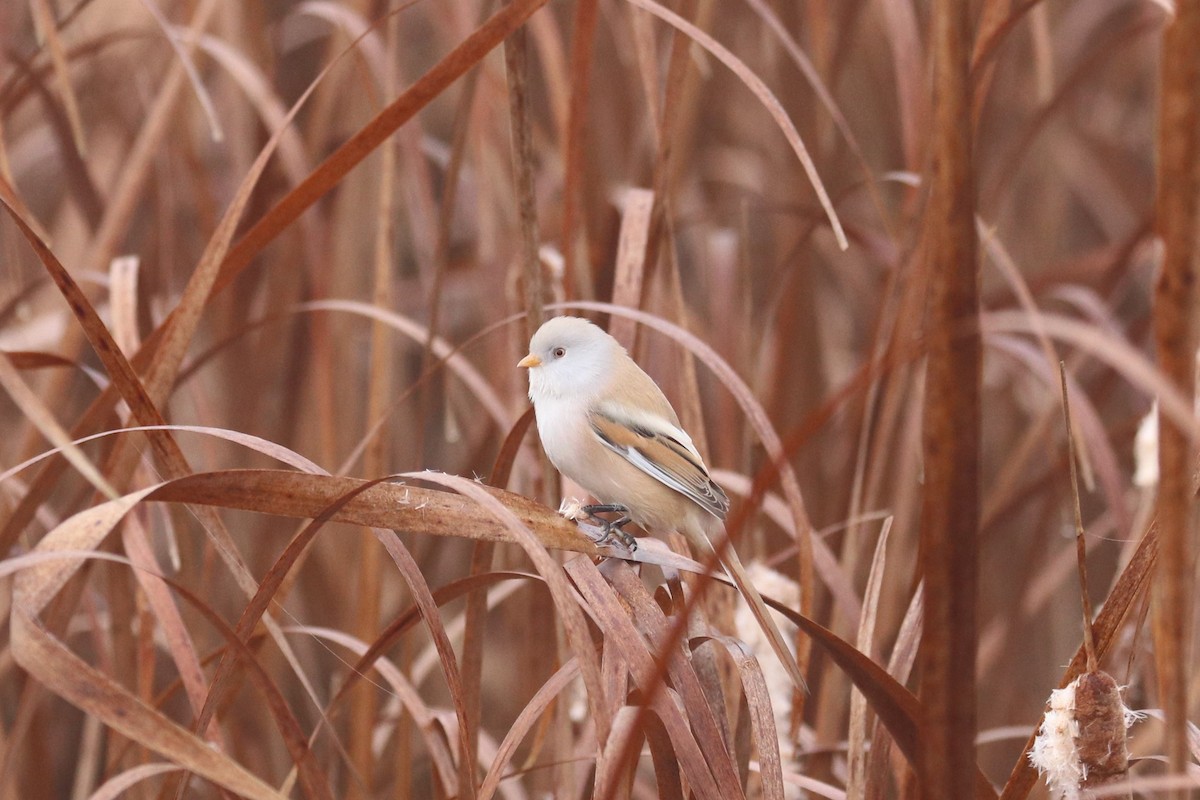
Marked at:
<point>663,452</point>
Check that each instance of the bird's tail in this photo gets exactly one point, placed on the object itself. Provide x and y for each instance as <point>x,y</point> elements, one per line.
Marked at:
<point>733,565</point>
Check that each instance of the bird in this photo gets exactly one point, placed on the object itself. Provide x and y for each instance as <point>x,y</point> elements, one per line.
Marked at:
<point>605,424</point>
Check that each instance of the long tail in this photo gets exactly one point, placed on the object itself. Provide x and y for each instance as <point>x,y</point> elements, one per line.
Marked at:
<point>733,565</point>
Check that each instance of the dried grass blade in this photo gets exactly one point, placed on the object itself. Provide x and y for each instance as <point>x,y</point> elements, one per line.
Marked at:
<point>278,452</point>
<point>331,171</point>
<point>124,196</point>
<point>509,448</point>
<point>762,719</point>
<point>122,782</point>
<point>909,69</point>
<point>423,598</point>
<point>475,380</point>
<point>662,755</point>
<point>824,561</point>
<point>609,614</point>
<point>999,256</point>
<point>180,327</point>
<point>122,299</point>
<point>644,48</point>
<point>474,628</point>
<point>139,397</point>
<point>897,708</point>
<point>170,621</point>
<point>564,599</point>
<point>856,756</point>
<point>119,369</point>
<point>524,722</point>
<point>630,266</point>
<point>367,45</point>
<point>262,598</point>
<point>293,158</point>
<point>25,359</point>
<point>60,670</point>
<point>806,67</point>
<point>432,732</point>
<point>987,43</point>
<point>516,62</point>
<point>407,508</point>
<point>765,96</point>
<point>380,393</point>
<point>36,412</point>
<point>312,779</point>
<point>1090,428</point>
<point>812,785</point>
<point>77,174</point>
<point>614,777</point>
<point>653,623</point>
<point>44,18</point>
<point>189,67</point>
<point>1108,348</point>
<point>991,18</point>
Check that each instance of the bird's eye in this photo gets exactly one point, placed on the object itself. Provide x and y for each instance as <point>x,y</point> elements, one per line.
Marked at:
<point>559,352</point>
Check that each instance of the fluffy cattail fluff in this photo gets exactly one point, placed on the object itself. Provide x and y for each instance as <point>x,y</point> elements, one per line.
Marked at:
<point>1081,743</point>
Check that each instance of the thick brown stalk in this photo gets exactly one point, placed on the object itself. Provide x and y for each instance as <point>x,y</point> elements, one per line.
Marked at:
<point>1175,336</point>
<point>577,274</point>
<point>950,513</point>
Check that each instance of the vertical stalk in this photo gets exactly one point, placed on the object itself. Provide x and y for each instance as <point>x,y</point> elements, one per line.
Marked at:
<point>577,275</point>
<point>1175,337</point>
<point>516,60</point>
<point>950,512</point>
<point>365,702</point>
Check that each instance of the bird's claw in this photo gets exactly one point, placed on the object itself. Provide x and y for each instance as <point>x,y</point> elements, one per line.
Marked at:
<point>612,531</point>
<point>610,534</point>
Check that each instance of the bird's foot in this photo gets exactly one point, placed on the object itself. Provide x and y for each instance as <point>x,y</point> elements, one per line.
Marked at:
<point>611,530</point>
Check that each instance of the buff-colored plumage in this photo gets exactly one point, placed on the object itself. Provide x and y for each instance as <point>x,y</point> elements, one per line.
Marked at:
<point>606,425</point>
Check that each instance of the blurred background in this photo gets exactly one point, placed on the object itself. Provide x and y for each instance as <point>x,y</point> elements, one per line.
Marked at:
<point>128,128</point>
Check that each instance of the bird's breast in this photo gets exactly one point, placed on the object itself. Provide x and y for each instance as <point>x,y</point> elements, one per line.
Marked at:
<point>577,453</point>
<point>563,429</point>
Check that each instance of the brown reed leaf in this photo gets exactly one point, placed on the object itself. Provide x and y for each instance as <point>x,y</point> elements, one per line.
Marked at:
<point>331,171</point>
<point>857,751</point>
<point>48,28</point>
<point>653,624</point>
<point>520,728</point>
<point>52,664</point>
<point>708,768</point>
<point>765,96</point>
<point>630,266</point>
<point>762,719</point>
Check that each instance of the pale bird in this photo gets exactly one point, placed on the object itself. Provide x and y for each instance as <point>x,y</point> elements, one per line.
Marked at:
<point>606,425</point>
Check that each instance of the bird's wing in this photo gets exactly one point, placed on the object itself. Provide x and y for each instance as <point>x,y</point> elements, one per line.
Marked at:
<point>662,451</point>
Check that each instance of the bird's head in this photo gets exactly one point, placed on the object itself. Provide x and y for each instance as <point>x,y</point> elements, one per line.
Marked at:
<point>569,358</point>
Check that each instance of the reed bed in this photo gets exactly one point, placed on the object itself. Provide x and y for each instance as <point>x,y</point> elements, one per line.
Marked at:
<point>273,516</point>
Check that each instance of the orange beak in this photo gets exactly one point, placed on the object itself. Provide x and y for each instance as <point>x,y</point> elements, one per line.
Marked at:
<point>529,362</point>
